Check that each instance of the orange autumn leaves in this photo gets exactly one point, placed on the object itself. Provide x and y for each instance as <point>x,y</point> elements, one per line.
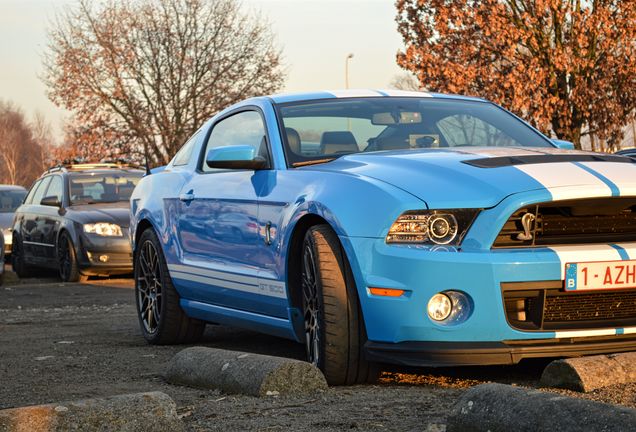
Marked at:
<point>569,67</point>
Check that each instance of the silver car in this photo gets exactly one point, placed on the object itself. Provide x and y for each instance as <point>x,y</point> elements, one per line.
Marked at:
<point>10,199</point>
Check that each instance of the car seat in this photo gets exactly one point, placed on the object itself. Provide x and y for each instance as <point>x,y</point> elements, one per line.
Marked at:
<point>332,142</point>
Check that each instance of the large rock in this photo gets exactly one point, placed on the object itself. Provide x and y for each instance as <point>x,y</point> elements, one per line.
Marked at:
<point>588,373</point>
<point>504,408</point>
<point>243,373</point>
<point>138,412</point>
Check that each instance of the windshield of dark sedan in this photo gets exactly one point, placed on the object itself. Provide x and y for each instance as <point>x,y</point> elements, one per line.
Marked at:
<point>102,187</point>
<point>323,130</point>
<point>10,200</point>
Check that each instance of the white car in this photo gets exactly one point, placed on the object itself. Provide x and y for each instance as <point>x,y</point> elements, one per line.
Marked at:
<point>11,196</point>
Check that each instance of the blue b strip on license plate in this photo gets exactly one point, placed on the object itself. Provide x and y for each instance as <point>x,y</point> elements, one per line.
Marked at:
<point>570,277</point>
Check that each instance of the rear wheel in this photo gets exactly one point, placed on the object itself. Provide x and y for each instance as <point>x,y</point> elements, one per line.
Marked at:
<point>334,328</point>
<point>17,258</point>
<point>161,318</point>
<point>67,260</point>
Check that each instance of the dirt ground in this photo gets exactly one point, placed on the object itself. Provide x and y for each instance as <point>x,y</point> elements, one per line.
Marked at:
<point>71,341</point>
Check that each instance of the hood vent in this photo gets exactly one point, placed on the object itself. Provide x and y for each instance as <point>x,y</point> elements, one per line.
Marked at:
<point>504,161</point>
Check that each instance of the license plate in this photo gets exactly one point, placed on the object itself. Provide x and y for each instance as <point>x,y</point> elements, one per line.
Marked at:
<point>600,275</point>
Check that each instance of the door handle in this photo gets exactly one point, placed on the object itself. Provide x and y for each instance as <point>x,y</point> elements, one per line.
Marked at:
<point>187,197</point>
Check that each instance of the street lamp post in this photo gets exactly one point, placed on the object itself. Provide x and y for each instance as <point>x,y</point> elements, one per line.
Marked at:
<point>349,56</point>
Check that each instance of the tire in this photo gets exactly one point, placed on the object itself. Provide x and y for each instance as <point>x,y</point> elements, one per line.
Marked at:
<point>17,258</point>
<point>67,260</point>
<point>334,327</point>
<point>161,319</point>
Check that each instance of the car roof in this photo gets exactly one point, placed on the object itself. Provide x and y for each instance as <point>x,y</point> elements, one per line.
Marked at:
<point>363,93</point>
<point>6,187</point>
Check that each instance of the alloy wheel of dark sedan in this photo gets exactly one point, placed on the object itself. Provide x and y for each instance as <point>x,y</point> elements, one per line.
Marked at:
<point>65,258</point>
<point>311,306</point>
<point>149,287</point>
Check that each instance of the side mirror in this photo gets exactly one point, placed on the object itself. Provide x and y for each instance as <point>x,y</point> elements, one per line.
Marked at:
<point>235,157</point>
<point>51,201</point>
<point>562,144</point>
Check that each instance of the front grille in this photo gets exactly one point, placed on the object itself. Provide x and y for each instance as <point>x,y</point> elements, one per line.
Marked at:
<point>546,306</point>
<point>598,220</point>
<point>585,307</point>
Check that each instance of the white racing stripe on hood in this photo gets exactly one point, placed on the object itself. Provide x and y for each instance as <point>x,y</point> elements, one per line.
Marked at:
<point>565,180</point>
<point>629,248</point>
<point>623,175</point>
<point>585,253</point>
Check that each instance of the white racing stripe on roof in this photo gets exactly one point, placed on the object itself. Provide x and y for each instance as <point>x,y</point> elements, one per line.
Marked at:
<point>404,93</point>
<point>623,175</point>
<point>354,93</point>
<point>565,180</point>
<point>584,253</point>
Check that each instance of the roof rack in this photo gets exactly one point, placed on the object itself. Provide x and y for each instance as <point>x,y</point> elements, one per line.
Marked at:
<point>73,166</point>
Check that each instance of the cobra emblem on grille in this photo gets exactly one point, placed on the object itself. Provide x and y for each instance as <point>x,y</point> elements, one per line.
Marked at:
<point>527,220</point>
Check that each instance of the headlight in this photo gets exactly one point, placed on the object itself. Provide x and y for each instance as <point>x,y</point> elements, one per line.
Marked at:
<point>438,227</point>
<point>103,229</point>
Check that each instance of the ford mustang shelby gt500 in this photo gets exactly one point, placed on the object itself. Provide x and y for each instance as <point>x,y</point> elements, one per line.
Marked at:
<point>388,227</point>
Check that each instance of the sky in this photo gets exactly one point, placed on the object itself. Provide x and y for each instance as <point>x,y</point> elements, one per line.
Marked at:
<point>315,35</point>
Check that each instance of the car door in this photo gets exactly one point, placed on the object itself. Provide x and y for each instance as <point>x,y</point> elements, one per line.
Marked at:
<point>217,227</point>
<point>31,227</point>
<point>50,219</point>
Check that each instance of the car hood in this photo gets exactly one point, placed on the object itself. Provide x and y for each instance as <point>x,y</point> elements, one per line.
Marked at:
<point>117,213</point>
<point>478,177</point>
<point>6,220</point>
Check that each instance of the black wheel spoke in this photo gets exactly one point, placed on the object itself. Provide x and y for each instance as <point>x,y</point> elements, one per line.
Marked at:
<point>310,305</point>
<point>149,287</point>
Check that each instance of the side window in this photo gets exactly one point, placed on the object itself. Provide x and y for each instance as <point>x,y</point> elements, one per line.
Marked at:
<point>244,128</point>
<point>39,193</point>
<point>56,188</point>
<point>29,198</point>
<point>183,155</point>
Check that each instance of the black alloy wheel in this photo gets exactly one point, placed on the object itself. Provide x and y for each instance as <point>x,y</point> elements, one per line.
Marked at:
<point>149,288</point>
<point>311,306</point>
<point>161,319</point>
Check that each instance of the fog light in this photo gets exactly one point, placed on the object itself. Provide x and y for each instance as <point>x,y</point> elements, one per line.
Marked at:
<point>450,307</point>
<point>439,307</point>
<point>104,258</point>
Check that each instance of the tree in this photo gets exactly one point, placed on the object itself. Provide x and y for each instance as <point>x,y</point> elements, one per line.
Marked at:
<point>20,154</point>
<point>405,81</point>
<point>568,66</point>
<point>154,70</point>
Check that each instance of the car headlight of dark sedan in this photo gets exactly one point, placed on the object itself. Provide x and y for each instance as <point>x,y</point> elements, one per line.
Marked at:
<point>434,227</point>
<point>103,229</point>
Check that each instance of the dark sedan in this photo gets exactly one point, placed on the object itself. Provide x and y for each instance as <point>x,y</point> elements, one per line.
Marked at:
<point>11,196</point>
<point>75,219</point>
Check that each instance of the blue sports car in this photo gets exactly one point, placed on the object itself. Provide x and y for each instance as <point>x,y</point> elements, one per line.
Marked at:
<point>388,227</point>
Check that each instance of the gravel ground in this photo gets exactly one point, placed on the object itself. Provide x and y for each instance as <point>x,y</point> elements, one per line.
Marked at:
<point>71,341</point>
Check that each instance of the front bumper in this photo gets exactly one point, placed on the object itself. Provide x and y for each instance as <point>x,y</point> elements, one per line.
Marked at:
<point>430,354</point>
<point>400,331</point>
<point>104,256</point>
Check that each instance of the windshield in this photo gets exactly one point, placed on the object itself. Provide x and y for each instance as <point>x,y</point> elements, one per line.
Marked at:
<point>10,200</point>
<point>102,187</point>
<point>319,131</point>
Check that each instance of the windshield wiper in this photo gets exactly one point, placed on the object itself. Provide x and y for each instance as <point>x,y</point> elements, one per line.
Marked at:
<point>313,162</point>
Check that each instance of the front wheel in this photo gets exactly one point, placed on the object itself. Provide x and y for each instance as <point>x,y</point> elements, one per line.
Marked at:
<point>334,327</point>
<point>161,318</point>
<point>67,260</point>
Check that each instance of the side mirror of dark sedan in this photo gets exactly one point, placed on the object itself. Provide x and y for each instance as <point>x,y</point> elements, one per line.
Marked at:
<point>236,157</point>
<point>51,201</point>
